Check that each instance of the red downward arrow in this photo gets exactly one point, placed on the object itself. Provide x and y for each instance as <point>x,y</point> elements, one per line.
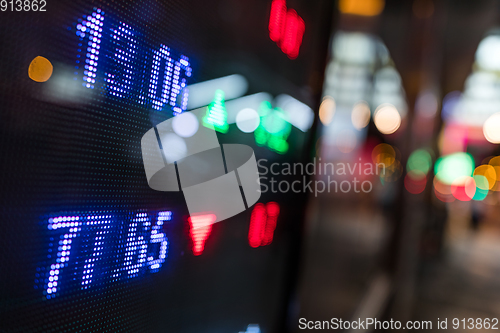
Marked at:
<point>200,227</point>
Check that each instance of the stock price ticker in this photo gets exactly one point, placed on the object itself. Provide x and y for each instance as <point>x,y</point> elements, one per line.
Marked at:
<point>81,242</point>
<point>91,248</point>
<point>123,77</point>
<point>94,248</point>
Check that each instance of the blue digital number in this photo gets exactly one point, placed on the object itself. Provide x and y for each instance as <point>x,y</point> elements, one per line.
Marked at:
<point>83,246</point>
<point>90,32</point>
<point>166,74</point>
<point>161,72</point>
<point>95,244</point>
<point>68,228</point>
<point>179,83</point>
<point>165,89</point>
<point>158,237</point>
<point>119,83</point>
<point>137,247</point>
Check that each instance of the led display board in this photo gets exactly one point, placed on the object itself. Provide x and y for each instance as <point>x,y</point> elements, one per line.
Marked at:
<point>88,245</point>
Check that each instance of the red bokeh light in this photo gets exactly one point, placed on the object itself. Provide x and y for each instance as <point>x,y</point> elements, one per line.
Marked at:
<point>291,39</point>
<point>262,224</point>
<point>415,182</point>
<point>277,19</point>
<point>463,188</point>
<point>286,28</point>
<point>442,191</point>
<point>257,225</point>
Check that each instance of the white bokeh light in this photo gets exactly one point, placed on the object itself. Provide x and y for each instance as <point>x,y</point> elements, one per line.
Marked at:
<point>487,53</point>
<point>247,120</point>
<point>360,115</point>
<point>185,124</point>
<point>491,128</point>
<point>387,119</point>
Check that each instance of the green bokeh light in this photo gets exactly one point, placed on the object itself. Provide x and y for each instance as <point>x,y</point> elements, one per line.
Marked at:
<point>450,167</point>
<point>481,187</point>
<point>274,129</point>
<point>419,160</point>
